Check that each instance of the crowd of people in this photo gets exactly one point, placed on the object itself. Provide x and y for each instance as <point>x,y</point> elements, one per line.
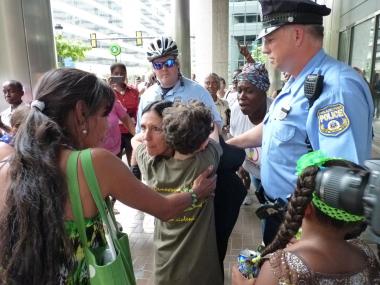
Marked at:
<point>193,152</point>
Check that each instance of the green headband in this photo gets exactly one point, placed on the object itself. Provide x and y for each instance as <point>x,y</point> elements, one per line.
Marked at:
<point>314,158</point>
<point>337,214</point>
<point>317,158</point>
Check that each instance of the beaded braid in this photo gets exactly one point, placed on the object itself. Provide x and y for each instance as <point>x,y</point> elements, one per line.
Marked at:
<point>295,212</point>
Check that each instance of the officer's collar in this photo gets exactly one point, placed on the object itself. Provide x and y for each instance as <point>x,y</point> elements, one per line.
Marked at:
<point>294,83</point>
<point>177,86</point>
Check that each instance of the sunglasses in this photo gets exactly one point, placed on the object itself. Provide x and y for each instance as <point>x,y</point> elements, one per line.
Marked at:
<point>168,64</point>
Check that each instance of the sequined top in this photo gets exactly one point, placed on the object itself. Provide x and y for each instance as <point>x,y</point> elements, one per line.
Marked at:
<point>292,269</point>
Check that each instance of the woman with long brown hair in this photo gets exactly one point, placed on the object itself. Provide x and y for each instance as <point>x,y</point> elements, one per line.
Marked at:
<point>39,242</point>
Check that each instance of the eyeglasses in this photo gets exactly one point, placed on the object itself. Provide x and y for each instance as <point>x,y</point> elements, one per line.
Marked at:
<point>168,64</point>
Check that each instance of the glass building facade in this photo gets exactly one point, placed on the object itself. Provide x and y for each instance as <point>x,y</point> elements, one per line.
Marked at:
<point>244,26</point>
<point>114,22</point>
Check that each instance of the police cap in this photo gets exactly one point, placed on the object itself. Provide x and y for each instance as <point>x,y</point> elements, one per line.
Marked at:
<point>277,13</point>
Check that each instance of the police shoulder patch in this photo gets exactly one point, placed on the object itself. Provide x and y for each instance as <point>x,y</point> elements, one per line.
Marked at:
<point>333,120</point>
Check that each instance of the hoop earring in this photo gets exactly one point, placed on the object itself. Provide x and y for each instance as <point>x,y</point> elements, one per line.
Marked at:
<point>84,131</point>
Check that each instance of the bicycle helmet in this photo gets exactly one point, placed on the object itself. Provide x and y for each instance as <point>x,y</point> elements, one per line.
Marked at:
<point>162,47</point>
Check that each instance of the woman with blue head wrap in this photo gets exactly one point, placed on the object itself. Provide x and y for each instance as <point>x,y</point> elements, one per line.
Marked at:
<point>253,83</point>
<point>249,110</point>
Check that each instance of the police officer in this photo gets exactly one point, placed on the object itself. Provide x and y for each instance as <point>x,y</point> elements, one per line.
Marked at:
<point>337,117</point>
<point>171,85</point>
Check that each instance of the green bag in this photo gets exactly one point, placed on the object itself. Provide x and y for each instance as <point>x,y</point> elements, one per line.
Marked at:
<point>118,270</point>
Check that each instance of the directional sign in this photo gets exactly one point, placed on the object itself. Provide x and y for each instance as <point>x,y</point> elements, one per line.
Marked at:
<point>115,49</point>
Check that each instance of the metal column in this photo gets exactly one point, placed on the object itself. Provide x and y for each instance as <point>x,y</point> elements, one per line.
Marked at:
<point>181,15</point>
<point>27,49</point>
<point>220,37</point>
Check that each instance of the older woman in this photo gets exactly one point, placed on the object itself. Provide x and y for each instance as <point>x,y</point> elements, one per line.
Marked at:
<point>183,133</point>
<point>212,84</point>
<point>38,239</point>
<point>230,191</point>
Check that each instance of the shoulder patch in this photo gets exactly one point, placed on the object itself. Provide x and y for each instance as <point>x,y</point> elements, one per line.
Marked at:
<point>333,120</point>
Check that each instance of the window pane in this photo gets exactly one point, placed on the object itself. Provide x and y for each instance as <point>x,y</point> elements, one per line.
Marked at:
<point>344,46</point>
<point>362,47</point>
<point>376,78</point>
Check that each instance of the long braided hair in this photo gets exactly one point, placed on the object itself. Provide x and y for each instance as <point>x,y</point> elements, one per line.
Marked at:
<point>34,247</point>
<point>301,199</point>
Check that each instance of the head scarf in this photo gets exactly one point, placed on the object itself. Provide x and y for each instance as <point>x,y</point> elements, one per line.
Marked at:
<point>257,74</point>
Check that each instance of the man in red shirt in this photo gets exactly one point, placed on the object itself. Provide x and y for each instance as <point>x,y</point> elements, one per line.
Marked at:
<point>129,98</point>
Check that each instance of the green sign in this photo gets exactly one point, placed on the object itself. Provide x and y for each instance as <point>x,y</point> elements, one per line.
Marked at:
<point>115,49</point>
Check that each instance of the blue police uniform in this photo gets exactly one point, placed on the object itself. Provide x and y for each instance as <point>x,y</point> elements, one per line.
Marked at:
<point>183,91</point>
<point>338,123</point>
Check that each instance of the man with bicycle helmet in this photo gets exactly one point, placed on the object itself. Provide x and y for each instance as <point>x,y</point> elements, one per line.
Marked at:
<point>171,85</point>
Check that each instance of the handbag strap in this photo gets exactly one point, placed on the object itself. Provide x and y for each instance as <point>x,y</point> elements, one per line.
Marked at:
<point>76,204</point>
<point>103,208</point>
<point>93,185</point>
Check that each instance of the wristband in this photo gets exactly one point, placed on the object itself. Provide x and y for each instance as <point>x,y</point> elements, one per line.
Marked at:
<point>194,198</point>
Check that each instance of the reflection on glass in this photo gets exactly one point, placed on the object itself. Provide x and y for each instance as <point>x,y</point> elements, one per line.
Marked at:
<point>376,75</point>
<point>375,86</point>
<point>362,47</point>
<point>344,46</point>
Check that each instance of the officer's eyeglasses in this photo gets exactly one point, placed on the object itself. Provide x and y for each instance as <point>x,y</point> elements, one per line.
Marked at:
<point>168,64</point>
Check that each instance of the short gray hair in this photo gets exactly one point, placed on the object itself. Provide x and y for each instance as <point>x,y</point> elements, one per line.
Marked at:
<point>317,31</point>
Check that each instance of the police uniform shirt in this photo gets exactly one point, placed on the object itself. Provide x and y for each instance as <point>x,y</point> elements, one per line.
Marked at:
<point>181,92</point>
<point>339,123</point>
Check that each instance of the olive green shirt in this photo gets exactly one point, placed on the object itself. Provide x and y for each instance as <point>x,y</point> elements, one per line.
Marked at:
<point>186,251</point>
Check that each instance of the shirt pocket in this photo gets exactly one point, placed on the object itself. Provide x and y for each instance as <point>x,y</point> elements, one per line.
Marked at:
<point>282,143</point>
<point>284,132</point>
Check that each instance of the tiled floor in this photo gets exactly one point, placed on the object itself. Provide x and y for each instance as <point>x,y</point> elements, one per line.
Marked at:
<point>139,227</point>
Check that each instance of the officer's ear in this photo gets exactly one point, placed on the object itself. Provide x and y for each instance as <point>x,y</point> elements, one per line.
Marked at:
<point>298,34</point>
<point>177,60</point>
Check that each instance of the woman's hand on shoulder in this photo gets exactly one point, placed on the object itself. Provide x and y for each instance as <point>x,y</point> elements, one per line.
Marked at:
<point>205,184</point>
